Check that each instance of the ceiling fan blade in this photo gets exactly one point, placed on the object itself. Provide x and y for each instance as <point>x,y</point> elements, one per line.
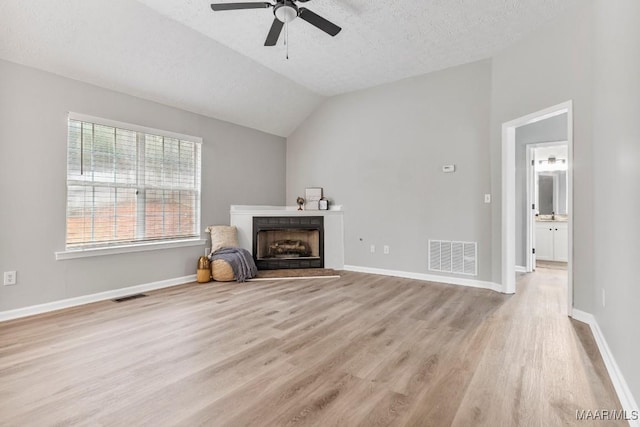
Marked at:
<point>274,32</point>
<point>238,6</point>
<point>319,22</point>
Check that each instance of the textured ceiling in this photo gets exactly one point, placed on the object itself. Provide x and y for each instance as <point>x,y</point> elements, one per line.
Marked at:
<point>381,41</point>
<point>181,53</point>
<point>125,46</point>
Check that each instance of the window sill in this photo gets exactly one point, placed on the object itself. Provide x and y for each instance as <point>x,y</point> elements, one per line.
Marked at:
<point>139,247</point>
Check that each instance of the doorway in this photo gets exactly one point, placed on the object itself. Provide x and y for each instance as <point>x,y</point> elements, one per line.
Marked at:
<point>547,203</point>
<point>508,215</point>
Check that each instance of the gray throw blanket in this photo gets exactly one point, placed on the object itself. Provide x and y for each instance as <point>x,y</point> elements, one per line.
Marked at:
<point>240,260</point>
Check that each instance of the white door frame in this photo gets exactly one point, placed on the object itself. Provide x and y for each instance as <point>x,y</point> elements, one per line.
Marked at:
<point>509,192</point>
<point>530,238</point>
<point>532,198</point>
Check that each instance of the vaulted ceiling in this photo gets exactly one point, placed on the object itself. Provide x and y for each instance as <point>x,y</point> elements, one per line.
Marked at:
<point>181,53</point>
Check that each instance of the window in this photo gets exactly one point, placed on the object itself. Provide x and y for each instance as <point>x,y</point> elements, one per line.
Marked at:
<point>128,185</point>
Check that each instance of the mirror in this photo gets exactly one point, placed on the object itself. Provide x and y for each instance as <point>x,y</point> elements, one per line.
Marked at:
<point>552,192</point>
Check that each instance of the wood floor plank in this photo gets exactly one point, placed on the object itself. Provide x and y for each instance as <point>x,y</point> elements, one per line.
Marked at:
<point>361,350</point>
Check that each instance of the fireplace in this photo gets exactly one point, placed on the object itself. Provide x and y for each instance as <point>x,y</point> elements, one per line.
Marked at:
<point>288,242</point>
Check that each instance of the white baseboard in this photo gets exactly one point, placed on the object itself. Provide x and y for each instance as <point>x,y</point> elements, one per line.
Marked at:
<point>583,316</point>
<point>427,277</point>
<point>86,299</point>
<point>520,269</point>
<point>622,389</point>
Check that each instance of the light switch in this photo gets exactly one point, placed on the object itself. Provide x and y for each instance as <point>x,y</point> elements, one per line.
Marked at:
<point>10,278</point>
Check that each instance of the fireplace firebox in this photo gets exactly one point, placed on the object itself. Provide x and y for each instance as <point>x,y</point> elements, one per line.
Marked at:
<point>288,242</point>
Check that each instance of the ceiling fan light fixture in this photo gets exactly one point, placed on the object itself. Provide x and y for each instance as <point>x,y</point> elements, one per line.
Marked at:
<point>286,13</point>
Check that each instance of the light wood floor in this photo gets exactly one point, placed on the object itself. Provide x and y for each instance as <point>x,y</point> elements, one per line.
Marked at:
<point>557,265</point>
<point>359,350</point>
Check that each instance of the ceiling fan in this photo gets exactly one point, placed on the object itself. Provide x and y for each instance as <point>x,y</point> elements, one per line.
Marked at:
<point>285,11</point>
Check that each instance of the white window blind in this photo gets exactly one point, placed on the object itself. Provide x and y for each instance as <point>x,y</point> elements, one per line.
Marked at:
<point>127,184</point>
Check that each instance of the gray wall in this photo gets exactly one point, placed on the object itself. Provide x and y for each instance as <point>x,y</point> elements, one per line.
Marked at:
<point>617,181</point>
<point>239,165</point>
<point>548,67</point>
<point>551,129</point>
<point>379,152</point>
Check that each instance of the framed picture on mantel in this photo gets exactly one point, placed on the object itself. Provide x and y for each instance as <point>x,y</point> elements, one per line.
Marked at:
<point>312,197</point>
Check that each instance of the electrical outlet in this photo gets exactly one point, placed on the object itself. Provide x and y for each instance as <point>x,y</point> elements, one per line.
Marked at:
<point>386,249</point>
<point>603,298</point>
<point>10,278</point>
<point>372,248</point>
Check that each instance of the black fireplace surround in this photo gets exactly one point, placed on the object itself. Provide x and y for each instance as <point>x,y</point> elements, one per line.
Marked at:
<point>282,242</point>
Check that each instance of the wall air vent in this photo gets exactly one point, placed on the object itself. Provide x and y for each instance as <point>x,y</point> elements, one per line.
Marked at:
<point>453,257</point>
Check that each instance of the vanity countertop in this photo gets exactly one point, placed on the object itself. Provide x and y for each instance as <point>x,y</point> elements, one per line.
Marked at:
<point>547,218</point>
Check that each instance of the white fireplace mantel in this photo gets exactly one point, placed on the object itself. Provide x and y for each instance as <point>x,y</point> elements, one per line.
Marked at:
<point>242,218</point>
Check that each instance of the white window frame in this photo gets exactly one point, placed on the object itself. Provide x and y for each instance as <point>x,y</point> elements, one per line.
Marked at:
<point>71,253</point>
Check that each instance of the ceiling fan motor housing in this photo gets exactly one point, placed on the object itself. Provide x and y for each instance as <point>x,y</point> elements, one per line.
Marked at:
<point>286,11</point>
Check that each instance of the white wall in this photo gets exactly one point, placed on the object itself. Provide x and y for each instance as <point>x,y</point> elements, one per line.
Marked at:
<point>551,66</point>
<point>240,166</point>
<point>616,146</point>
<point>379,153</point>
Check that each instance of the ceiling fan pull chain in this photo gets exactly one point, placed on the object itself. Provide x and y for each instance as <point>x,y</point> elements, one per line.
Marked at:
<point>286,38</point>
